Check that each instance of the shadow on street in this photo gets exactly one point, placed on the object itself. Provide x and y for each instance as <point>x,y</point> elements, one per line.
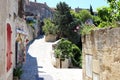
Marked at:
<point>30,67</point>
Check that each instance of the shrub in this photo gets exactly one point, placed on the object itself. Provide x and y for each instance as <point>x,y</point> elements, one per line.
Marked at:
<point>86,29</point>
<point>103,25</point>
<point>49,27</point>
<point>76,58</point>
<point>17,72</point>
<point>96,20</point>
<point>65,49</point>
<point>108,24</point>
<point>84,15</point>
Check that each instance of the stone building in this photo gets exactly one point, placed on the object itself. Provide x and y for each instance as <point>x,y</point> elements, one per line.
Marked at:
<point>35,14</point>
<point>11,11</point>
<point>79,9</point>
<point>101,54</point>
<point>39,9</point>
<point>21,40</point>
<point>8,13</point>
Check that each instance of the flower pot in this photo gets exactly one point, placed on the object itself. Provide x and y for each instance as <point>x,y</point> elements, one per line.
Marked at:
<point>65,63</point>
<point>57,63</point>
<point>62,63</point>
<point>50,38</point>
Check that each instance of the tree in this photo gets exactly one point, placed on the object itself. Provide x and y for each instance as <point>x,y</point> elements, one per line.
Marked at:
<point>91,10</point>
<point>62,17</point>
<point>84,15</point>
<point>105,14</point>
<point>65,22</point>
<point>115,7</point>
<point>96,20</point>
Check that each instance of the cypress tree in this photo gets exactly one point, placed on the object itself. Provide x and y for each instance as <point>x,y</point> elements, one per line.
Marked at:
<point>91,10</point>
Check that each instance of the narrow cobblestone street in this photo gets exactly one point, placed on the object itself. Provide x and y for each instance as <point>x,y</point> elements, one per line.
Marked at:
<point>38,65</point>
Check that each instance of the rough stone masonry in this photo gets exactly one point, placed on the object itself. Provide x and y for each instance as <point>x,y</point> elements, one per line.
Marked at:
<point>101,54</point>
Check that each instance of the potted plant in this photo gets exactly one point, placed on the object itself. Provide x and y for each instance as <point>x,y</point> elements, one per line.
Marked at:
<point>68,54</point>
<point>17,72</point>
<point>50,30</point>
<point>63,52</point>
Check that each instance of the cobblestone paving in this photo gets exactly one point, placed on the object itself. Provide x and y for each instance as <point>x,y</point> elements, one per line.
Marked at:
<point>38,64</point>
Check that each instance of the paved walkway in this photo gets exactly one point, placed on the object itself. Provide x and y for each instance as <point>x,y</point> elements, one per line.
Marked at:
<point>38,65</point>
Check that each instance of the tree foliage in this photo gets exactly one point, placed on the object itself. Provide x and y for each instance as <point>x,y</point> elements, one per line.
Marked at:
<point>77,56</point>
<point>49,27</point>
<point>109,16</point>
<point>62,17</point>
<point>96,20</point>
<point>84,15</point>
<point>115,7</point>
<point>105,14</point>
<point>91,10</point>
<point>65,49</point>
<point>66,22</point>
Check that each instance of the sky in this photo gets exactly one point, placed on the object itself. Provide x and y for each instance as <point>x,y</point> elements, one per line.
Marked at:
<point>76,3</point>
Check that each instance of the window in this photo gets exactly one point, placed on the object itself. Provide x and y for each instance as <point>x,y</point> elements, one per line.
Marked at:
<point>9,52</point>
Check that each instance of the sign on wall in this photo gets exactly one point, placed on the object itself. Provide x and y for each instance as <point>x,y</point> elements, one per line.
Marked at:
<point>88,64</point>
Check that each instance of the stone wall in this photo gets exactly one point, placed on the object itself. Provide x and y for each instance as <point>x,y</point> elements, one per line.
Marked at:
<point>2,37</point>
<point>101,54</point>
<point>30,33</point>
<point>21,37</point>
<point>8,11</point>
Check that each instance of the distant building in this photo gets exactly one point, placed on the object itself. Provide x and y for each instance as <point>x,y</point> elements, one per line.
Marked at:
<point>79,9</point>
<point>36,13</point>
<point>38,9</point>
